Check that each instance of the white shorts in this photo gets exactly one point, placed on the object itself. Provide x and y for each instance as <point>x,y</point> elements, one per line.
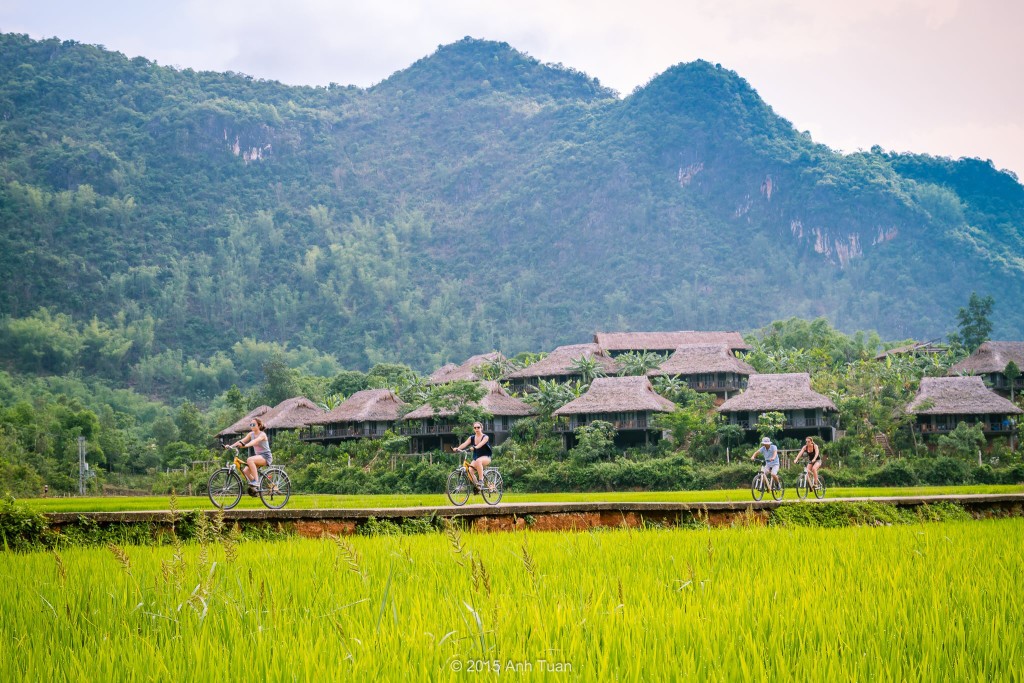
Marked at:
<point>772,469</point>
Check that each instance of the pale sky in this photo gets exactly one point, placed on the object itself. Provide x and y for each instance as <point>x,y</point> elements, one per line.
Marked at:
<point>937,76</point>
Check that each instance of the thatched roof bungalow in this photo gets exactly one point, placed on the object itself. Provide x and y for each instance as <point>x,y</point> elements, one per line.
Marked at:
<point>990,361</point>
<point>615,343</point>
<point>558,366</point>
<point>626,402</point>
<point>807,412</point>
<point>432,429</point>
<point>465,372</point>
<point>293,413</point>
<point>943,402</point>
<point>711,368</point>
<point>363,415</point>
<point>242,425</point>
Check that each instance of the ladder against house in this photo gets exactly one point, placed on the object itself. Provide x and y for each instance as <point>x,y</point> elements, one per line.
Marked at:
<point>883,441</point>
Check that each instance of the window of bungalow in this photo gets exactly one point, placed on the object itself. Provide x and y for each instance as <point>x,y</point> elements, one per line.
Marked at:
<point>504,423</point>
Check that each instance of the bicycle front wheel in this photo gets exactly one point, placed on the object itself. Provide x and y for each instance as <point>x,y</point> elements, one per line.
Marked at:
<point>778,490</point>
<point>275,489</point>
<point>819,488</point>
<point>493,487</point>
<point>757,488</point>
<point>458,487</point>
<point>802,488</point>
<point>225,489</point>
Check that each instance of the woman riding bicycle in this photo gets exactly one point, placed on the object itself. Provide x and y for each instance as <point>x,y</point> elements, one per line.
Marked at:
<point>259,442</point>
<point>481,445</point>
<point>813,452</point>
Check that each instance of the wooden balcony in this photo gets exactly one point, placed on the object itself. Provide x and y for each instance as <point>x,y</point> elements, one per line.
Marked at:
<point>716,385</point>
<point>795,423</point>
<point>424,428</point>
<point>640,423</point>
<point>336,433</point>
<point>989,428</point>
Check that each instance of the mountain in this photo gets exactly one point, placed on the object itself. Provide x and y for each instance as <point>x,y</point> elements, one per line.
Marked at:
<point>478,199</point>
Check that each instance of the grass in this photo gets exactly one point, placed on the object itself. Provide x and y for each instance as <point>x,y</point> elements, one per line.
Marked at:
<point>314,501</point>
<point>919,602</point>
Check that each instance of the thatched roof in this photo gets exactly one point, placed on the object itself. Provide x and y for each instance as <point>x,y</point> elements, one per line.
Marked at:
<point>559,362</point>
<point>496,401</point>
<point>917,348</point>
<point>291,414</point>
<point>695,359</point>
<point>242,425</point>
<point>369,405</point>
<point>617,395</point>
<point>991,356</point>
<point>959,396</point>
<point>454,373</point>
<point>786,391</point>
<point>648,341</point>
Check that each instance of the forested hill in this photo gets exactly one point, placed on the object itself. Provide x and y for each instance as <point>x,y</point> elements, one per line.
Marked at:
<point>478,199</point>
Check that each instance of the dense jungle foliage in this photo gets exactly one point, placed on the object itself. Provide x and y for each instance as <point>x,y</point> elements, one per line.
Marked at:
<point>477,199</point>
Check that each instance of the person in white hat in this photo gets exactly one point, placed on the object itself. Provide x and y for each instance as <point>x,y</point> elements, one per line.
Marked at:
<point>770,453</point>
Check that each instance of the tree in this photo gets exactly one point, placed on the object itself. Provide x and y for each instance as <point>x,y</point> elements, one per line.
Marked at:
<point>637,363</point>
<point>965,441</point>
<point>588,369</point>
<point>388,375</point>
<point>280,381</point>
<point>974,325</point>
<point>1012,372</point>
<point>191,428</point>
<point>236,399</point>
<point>771,423</point>
<point>594,441</point>
<point>462,399</point>
<point>347,382</point>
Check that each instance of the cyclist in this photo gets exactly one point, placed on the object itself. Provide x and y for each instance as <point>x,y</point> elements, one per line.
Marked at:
<point>261,455</point>
<point>770,453</point>
<point>481,445</point>
<point>813,452</point>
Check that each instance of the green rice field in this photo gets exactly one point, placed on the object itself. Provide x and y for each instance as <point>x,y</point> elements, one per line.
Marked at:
<point>921,602</point>
<point>313,501</point>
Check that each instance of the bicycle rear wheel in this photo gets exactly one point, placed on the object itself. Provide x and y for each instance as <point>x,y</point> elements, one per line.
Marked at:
<point>493,487</point>
<point>757,488</point>
<point>224,489</point>
<point>458,487</point>
<point>819,488</point>
<point>275,488</point>
<point>778,490</point>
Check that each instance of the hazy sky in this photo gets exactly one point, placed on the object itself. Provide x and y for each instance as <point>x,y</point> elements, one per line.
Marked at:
<point>936,76</point>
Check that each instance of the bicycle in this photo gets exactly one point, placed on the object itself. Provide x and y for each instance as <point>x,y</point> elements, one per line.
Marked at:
<point>764,482</point>
<point>462,481</point>
<point>803,486</point>
<point>225,485</point>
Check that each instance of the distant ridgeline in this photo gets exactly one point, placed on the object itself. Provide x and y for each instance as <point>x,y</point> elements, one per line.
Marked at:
<point>478,199</point>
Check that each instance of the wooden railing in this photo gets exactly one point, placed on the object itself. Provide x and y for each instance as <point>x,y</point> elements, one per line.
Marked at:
<point>987,427</point>
<point>573,425</point>
<point>797,423</point>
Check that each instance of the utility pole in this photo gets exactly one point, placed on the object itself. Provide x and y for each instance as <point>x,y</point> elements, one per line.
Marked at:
<point>83,466</point>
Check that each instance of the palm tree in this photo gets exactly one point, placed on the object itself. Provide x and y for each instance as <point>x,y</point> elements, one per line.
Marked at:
<point>331,402</point>
<point>588,369</point>
<point>550,396</point>
<point>669,387</point>
<point>637,363</point>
